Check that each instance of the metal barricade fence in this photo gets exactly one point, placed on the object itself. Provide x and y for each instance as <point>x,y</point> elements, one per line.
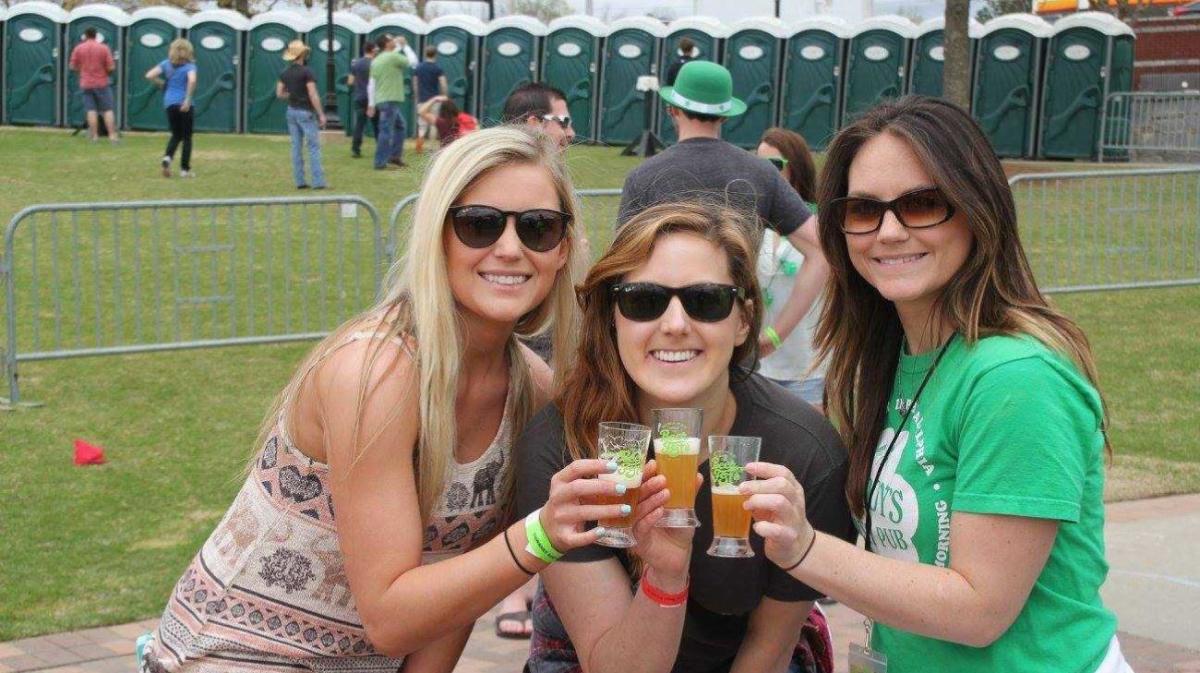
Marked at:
<point>1111,229</point>
<point>130,277</point>
<point>1150,126</point>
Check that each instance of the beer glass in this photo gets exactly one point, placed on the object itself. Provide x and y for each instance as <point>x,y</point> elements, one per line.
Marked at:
<point>677,450</point>
<point>626,444</point>
<point>727,460</point>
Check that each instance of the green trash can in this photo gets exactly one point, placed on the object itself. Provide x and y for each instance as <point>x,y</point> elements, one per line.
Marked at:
<point>217,37</point>
<point>456,38</point>
<point>268,36</point>
<point>110,23</point>
<point>708,34</point>
<point>1007,82</point>
<point>753,55</point>
<point>511,48</point>
<point>811,95</point>
<point>147,41</point>
<point>348,30</point>
<point>32,75</point>
<point>928,55</point>
<point>571,63</point>
<point>1079,60</point>
<point>876,63</point>
<point>413,29</point>
<point>630,51</point>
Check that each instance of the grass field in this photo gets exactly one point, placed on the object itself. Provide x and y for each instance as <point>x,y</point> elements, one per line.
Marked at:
<point>102,545</point>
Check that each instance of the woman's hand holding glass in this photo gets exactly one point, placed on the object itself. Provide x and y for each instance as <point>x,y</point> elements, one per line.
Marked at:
<point>777,504</point>
<point>667,550</point>
<point>573,492</point>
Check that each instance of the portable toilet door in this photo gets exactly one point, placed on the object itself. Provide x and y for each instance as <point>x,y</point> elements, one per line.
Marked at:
<point>33,47</point>
<point>147,41</point>
<point>571,63</point>
<point>456,38</point>
<point>811,95</point>
<point>110,23</point>
<point>707,33</point>
<point>216,36</point>
<point>268,37</point>
<point>510,59</point>
<point>753,55</point>
<point>876,63</point>
<point>3,16</point>
<point>928,55</point>
<point>1078,63</point>
<point>1006,84</point>
<point>630,52</point>
<point>413,28</point>
<point>347,30</point>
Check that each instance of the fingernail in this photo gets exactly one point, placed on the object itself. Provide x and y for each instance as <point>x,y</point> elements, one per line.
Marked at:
<point>621,489</point>
<point>626,510</point>
<point>600,531</point>
<point>611,466</point>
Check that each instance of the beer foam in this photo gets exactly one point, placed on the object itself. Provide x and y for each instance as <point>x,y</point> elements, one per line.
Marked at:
<point>616,477</point>
<point>693,446</point>
<point>726,490</point>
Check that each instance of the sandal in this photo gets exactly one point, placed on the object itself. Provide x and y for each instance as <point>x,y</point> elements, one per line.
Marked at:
<point>520,618</point>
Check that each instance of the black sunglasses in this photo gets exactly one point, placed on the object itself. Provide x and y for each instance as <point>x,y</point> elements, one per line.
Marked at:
<point>540,229</point>
<point>918,209</point>
<point>706,302</point>
<point>778,162</point>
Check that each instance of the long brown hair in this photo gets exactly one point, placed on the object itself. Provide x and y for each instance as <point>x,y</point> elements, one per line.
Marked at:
<point>597,388</point>
<point>801,170</point>
<point>994,291</point>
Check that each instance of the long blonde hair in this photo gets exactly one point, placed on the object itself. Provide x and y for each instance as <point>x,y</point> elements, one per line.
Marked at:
<point>418,306</point>
<point>181,52</point>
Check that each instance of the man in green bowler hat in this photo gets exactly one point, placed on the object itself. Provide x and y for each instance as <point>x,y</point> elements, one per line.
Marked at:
<point>702,166</point>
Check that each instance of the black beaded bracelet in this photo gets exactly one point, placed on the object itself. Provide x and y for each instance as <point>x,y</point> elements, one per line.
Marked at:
<point>803,556</point>
<point>513,554</point>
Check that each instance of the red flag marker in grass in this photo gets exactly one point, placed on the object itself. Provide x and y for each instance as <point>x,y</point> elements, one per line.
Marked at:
<point>88,454</point>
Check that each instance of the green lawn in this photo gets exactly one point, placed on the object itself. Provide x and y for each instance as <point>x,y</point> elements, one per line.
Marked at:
<point>102,545</point>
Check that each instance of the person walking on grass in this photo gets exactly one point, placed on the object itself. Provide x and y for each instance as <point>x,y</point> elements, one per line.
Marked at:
<point>305,119</point>
<point>429,81</point>
<point>177,76</point>
<point>360,77</point>
<point>93,60</point>
<point>385,96</point>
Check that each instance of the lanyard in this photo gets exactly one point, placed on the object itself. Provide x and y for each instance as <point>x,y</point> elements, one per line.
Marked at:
<point>892,444</point>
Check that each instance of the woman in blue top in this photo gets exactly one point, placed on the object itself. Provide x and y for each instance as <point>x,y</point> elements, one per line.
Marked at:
<point>177,75</point>
<point>969,407</point>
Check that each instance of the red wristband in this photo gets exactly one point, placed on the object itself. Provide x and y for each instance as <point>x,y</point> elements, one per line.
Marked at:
<point>663,598</point>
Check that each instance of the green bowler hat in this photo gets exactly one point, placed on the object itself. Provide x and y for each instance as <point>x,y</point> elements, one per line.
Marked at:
<point>703,87</point>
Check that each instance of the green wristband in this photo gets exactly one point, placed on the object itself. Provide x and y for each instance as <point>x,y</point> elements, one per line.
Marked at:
<point>773,336</point>
<point>537,541</point>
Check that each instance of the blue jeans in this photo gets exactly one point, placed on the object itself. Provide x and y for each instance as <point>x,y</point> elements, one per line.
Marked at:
<point>303,128</point>
<point>389,135</point>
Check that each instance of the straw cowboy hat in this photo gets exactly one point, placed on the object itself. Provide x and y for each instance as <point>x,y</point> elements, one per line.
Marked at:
<point>296,49</point>
<point>705,88</point>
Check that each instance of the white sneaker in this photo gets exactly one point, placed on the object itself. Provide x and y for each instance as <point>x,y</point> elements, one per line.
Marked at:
<point>187,174</point>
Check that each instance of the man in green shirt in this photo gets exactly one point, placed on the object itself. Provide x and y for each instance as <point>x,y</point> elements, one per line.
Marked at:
<point>385,93</point>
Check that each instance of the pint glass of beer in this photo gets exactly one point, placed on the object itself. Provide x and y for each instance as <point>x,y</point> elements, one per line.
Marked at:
<point>727,460</point>
<point>626,444</point>
<point>677,450</point>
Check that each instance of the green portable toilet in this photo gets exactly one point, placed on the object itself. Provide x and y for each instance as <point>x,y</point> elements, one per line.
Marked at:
<point>1007,82</point>
<point>217,37</point>
<point>1079,60</point>
<point>147,41</point>
<point>110,23</point>
<point>511,48</point>
<point>571,63</point>
<point>928,55</point>
<point>32,50</point>
<point>413,28</point>
<point>348,30</point>
<point>268,36</point>
<point>630,52</point>
<point>456,38</point>
<point>811,91</point>
<point>3,16</point>
<point>753,54</point>
<point>876,63</point>
<point>708,34</point>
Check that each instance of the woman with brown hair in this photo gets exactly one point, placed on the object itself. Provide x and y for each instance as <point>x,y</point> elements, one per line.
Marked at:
<point>970,409</point>
<point>668,317</point>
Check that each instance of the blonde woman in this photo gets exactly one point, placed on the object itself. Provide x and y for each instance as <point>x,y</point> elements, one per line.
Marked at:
<point>372,530</point>
<point>177,76</point>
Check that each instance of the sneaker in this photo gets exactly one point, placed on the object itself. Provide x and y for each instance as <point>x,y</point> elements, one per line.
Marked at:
<point>187,174</point>
<point>321,187</point>
<point>166,167</point>
<point>356,155</point>
<point>301,186</point>
<point>397,162</point>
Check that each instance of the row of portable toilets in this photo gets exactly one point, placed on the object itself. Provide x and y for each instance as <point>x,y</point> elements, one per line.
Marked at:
<point>1037,89</point>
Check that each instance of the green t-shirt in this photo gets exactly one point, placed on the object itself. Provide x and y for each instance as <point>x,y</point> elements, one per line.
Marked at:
<point>1007,427</point>
<point>387,69</point>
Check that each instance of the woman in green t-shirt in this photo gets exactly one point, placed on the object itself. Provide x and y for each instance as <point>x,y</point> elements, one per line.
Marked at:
<point>969,408</point>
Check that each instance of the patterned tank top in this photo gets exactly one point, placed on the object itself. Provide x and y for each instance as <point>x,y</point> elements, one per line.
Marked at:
<point>268,590</point>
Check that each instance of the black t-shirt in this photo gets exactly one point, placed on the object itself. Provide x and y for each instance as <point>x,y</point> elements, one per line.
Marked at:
<point>673,69</point>
<point>723,591</point>
<point>295,80</point>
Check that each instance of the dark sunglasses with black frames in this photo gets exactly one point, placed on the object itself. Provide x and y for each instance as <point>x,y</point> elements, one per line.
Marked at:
<point>778,162</point>
<point>540,229</point>
<point>706,302</point>
<point>917,209</point>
